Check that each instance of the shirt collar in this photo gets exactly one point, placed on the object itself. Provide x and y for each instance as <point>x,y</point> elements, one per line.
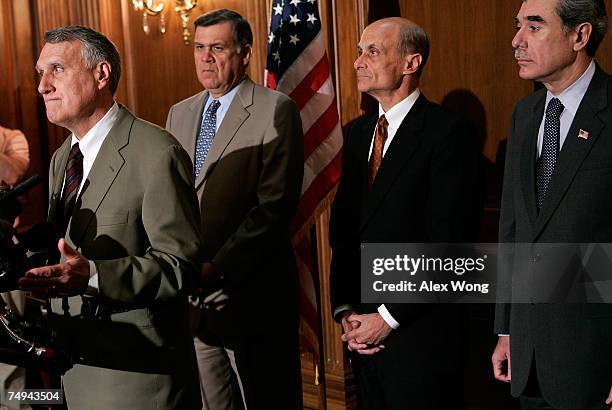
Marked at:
<point>226,99</point>
<point>572,96</point>
<point>396,114</point>
<point>91,142</point>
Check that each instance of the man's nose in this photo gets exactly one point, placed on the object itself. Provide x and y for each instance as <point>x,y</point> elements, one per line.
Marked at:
<point>359,62</point>
<point>518,40</point>
<point>207,54</point>
<point>44,85</point>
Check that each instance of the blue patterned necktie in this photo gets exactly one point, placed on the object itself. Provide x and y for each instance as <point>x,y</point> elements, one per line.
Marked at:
<point>550,148</point>
<point>205,136</point>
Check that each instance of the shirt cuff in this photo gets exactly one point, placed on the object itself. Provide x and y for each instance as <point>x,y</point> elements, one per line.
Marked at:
<point>340,309</point>
<point>382,310</point>
<point>502,334</point>
<point>92,285</point>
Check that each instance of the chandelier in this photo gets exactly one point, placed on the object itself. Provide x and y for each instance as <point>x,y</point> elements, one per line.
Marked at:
<point>156,8</point>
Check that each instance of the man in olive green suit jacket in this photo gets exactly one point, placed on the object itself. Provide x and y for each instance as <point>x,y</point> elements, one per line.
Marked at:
<point>131,238</point>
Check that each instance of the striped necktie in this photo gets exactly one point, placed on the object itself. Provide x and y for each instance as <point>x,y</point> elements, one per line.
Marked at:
<point>72,181</point>
<point>379,142</point>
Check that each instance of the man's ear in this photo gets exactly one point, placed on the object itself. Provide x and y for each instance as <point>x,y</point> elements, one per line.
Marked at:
<point>103,72</point>
<point>581,35</point>
<point>247,50</point>
<point>412,63</point>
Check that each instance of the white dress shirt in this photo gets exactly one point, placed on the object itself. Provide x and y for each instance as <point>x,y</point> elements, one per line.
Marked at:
<point>89,145</point>
<point>225,100</point>
<point>571,98</point>
<point>394,116</point>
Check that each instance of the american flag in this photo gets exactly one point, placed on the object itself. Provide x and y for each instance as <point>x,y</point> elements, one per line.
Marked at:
<point>297,65</point>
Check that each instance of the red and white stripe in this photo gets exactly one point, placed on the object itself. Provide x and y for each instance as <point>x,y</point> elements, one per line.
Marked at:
<point>308,82</point>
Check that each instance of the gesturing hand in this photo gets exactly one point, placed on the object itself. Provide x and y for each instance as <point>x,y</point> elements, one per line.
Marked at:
<point>64,279</point>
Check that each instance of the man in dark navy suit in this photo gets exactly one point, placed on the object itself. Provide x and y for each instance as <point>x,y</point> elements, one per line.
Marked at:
<point>409,175</point>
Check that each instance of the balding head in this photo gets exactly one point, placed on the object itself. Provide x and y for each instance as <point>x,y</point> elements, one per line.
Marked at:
<point>409,37</point>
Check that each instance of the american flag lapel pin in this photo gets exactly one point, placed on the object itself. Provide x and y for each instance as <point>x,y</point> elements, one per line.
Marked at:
<point>583,134</point>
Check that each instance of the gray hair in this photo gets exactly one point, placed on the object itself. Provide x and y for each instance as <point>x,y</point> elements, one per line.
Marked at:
<point>414,40</point>
<point>96,48</point>
<point>243,35</point>
<point>575,12</point>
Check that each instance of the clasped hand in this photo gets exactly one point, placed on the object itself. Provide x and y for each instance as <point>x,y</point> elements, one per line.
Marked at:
<point>364,333</point>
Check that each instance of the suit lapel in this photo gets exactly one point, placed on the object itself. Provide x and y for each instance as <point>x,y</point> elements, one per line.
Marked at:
<point>195,115</point>
<point>58,181</point>
<point>404,145</point>
<point>235,116</point>
<point>576,149</point>
<point>529,156</point>
<point>367,134</point>
<point>105,168</point>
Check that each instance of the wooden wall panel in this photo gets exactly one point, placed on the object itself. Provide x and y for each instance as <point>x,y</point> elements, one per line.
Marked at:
<point>111,25</point>
<point>604,54</point>
<point>8,109</point>
<point>348,23</point>
<point>160,69</point>
<point>258,15</point>
<point>471,55</point>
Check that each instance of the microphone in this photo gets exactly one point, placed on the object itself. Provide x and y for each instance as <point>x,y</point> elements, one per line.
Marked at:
<point>10,207</point>
<point>19,189</point>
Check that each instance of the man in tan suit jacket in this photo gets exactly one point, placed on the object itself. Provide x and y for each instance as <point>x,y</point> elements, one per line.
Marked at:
<point>248,185</point>
<point>130,246</point>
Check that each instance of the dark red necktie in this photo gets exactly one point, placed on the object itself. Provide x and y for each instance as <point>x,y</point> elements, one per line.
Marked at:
<point>379,142</point>
<point>72,181</point>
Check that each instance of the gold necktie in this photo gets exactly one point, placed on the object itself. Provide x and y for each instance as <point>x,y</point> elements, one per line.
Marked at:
<point>379,142</point>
